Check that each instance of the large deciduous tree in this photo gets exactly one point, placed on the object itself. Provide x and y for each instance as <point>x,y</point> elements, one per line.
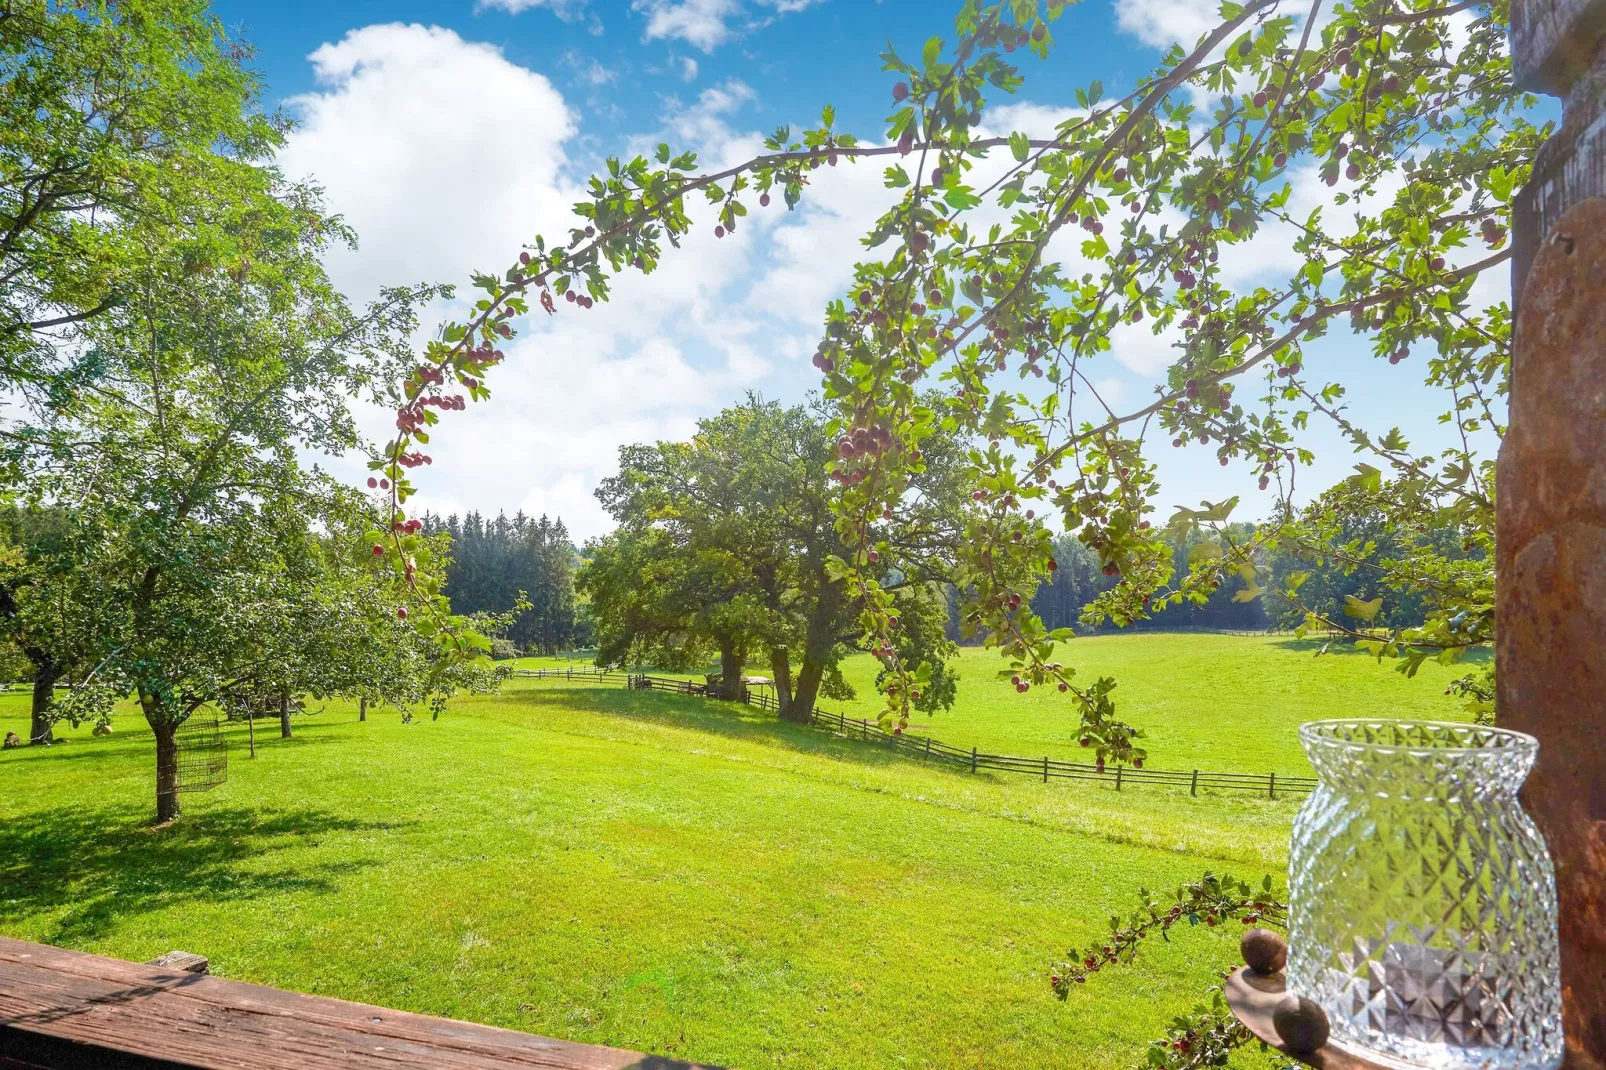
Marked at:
<point>53,633</point>
<point>194,526</point>
<point>128,125</point>
<point>728,540</point>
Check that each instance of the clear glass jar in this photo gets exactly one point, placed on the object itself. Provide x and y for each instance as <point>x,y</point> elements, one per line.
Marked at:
<point>1422,901</point>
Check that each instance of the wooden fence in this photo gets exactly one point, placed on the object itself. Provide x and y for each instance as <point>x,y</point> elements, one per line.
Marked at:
<point>974,760</point>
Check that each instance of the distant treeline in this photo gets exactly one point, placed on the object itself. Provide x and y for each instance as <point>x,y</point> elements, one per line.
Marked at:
<point>493,560</point>
<point>1079,579</point>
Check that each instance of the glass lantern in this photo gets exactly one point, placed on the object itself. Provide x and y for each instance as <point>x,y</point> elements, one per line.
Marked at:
<point>1422,901</point>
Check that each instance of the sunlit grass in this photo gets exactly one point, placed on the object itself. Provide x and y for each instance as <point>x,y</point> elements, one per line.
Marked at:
<point>688,877</point>
<point>1213,702</point>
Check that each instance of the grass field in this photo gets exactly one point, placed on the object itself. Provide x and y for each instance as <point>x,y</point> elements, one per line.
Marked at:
<point>1206,701</point>
<point>1215,702</point>
<point>688,877</point>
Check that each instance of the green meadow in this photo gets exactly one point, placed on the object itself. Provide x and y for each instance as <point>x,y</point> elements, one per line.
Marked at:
<point>689,877</point>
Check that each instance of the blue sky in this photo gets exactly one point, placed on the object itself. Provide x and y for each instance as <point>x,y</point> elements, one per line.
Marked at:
<point>795,60</point>
<point>450,132</point>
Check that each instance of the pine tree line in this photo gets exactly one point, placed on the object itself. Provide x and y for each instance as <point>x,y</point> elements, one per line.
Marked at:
<point>493,560</point>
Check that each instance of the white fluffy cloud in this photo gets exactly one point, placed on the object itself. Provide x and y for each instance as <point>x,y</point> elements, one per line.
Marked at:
<point>1163,23</point>
<point>437,185</point>
<point>442,154</point>
<point>707,24</point>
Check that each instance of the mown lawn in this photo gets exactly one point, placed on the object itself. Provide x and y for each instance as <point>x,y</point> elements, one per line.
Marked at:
<point>683,876</point>
<point>1216,702</point>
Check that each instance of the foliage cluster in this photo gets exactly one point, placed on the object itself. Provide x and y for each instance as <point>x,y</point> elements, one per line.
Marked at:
<point>496,561</point>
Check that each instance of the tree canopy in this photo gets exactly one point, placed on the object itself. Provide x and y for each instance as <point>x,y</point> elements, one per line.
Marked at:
<point>725,545</point>
<point>129,126</point>
<point>495,560</point>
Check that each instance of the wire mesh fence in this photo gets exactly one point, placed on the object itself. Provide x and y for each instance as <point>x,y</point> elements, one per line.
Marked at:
<point>924,747</point>
<point>203,754</point>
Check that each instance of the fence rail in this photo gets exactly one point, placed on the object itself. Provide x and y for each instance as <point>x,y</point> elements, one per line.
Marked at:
<point>1268,784</point>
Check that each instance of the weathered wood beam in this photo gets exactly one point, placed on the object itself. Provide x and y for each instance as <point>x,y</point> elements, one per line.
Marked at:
<point>63,1008</point>
<point>1550,564</point>
<point>1556,48</point>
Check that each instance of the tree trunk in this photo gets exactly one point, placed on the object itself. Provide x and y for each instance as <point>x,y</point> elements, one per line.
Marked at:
<point>362,708</point>
<point>730,668</point>
<point>818,641</point>
<point>284,713</point>
<point>166,772</point>
<point>44,689</point>
<point>781,672</point>
<point>801,709</point>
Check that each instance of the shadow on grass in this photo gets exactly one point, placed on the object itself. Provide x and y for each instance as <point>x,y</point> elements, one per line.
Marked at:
<point>1347,648</point>
<point>104,868</point>
<point>729,719</point>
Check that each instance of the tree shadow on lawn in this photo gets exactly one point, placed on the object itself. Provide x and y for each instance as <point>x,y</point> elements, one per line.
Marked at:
<point>103,867</point>
<point>732,720</point>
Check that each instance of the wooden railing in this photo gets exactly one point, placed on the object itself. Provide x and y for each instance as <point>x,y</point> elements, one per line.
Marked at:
<point>61,1009</point>
<point>926,748</point>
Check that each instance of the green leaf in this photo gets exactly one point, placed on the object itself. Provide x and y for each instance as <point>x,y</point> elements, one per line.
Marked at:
<point>1368,479</point>
<point>1354,607</point>
<point>960,198</point>
<point>1020,145</point>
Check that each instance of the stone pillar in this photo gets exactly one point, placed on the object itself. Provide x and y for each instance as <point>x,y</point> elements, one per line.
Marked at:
<point>1551,540</point>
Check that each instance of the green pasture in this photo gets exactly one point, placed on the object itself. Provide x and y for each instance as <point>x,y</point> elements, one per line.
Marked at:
<point>1206,701</point>
<point>686,876</point>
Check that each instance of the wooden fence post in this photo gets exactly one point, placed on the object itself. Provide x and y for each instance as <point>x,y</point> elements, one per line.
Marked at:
<point>1271,787</point>
<point>1193,788</point>
<point>973,759</point>
<point>1118,777</point>
<point>1045,769</point>
<point>1550,540</point>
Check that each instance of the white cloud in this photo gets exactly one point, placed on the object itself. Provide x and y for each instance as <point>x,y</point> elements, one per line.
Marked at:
<point>567,10</point>
<point>1163,23</point>
<point>704,122</point>
<point>435,182</point>
<point>707,24</point>
<point>688,67</point>
<point>438,185</point>
<point>398,135</point>
<point>588,69</point>
<point>1039,121</point>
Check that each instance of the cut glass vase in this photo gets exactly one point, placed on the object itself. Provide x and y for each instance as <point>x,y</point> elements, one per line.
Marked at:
<point>1422,901</point>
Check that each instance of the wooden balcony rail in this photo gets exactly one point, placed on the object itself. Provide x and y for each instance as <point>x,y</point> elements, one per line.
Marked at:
<point>66,1010</point>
